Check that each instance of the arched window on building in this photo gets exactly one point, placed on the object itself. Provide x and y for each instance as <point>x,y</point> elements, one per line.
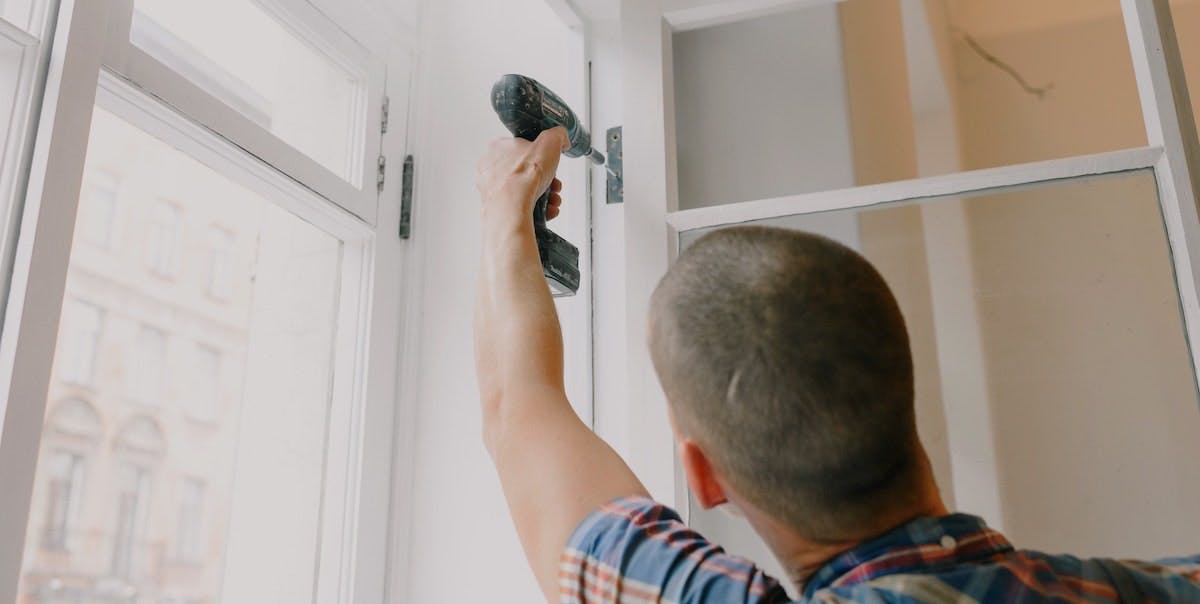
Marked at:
<point>74,427</point>
<point>141,443</point>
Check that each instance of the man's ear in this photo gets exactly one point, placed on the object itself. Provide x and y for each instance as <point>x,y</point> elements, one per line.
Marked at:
<point>701,475</point>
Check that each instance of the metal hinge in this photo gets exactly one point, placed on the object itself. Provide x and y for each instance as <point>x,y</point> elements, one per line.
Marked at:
<point>381,177</point>
<point>615,168</point>
<point>406,199</point>
<point>387,110</point>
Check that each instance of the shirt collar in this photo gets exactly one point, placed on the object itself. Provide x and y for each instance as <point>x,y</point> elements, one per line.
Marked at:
<point>921,545</point>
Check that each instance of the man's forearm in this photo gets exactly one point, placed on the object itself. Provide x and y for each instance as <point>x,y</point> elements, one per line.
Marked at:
<point>553,469</point>
<point>520,323</point>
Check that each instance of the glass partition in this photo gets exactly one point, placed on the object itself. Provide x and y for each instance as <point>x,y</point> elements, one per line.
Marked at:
<point>859,92</point>
<point>1055,393</point>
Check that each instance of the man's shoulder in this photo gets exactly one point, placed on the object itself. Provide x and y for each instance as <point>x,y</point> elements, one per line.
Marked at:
<point>635,549</point>
<point>1031,576</point>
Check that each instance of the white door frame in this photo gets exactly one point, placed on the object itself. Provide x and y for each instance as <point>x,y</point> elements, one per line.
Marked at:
<point>653,222</point>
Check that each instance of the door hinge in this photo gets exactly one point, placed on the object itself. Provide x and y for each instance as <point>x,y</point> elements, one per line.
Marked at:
<point>615,169</point>
<point>381,177</point>
<point>386,114</point>
<point>406,199</point>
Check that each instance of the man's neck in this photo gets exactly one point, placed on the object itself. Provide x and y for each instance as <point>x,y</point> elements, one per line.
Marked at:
<point>802,558</point>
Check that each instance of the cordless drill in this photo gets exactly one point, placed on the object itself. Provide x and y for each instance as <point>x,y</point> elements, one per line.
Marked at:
<point>527,108</point>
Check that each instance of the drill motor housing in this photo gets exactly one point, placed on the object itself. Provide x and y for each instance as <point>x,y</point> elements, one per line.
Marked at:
<point>527,109</point>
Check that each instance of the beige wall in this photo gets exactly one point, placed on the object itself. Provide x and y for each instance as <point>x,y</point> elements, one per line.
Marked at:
<point>884,141</point>
<point>1091,422</point>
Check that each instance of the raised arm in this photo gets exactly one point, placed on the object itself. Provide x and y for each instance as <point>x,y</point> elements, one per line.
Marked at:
<point>553,469</point>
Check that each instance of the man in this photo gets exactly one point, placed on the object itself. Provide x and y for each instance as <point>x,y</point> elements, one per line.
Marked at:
<point>786,365</point>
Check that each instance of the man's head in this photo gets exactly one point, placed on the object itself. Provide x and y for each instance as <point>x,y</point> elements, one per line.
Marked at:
<point>786,362</point>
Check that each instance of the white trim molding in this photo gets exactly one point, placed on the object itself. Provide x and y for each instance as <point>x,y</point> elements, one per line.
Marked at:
<point>684,15</point>
<point>924,189</point>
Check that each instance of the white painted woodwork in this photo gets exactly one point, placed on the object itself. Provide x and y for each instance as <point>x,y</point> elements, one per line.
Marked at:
<point>1167,110</point>
<point>148,73</point>
<point>951,185</point>
<point>20,140</point>
<point>40,267</point>
<point>650,192</point>
<point>684,15</point>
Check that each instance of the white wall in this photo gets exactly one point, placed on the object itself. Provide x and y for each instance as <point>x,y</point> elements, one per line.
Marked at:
<point>462,545</point>
<point>757,100</point>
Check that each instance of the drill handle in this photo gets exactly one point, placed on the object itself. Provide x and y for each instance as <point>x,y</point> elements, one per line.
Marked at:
<point>539,210</point>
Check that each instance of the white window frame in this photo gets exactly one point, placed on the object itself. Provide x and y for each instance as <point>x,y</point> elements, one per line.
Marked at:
<point>370,425</point>
<point>653,222</point>
<point>125,59</point>
<point>22,124</point>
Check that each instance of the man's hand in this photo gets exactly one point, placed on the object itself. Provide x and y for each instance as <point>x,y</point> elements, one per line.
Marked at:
<point>515,172</point>
<point>554,470</point>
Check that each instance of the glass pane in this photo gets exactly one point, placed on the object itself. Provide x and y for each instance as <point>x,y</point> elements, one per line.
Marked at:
<point>1044,321</point>
<point>185,433</point>
<point>856,93</point>
<point>249,60</point>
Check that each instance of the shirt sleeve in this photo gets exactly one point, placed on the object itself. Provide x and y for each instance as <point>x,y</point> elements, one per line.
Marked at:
<point>634,551</point>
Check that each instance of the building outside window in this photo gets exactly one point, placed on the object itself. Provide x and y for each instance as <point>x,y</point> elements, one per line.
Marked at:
<point>64,491</point>
<point>81,330</point>
<point>206,383</point>
<point>98,209</point>
<point>163,238</point>
<point>149,365</point>
<point>133,498</point>
<point>220,263</point>
<point>190,529</point>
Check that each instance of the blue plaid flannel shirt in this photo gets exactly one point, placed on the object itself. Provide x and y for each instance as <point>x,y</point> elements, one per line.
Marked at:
<point>635,551</point>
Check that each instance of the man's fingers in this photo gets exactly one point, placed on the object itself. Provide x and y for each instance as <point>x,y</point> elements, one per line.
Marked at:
<point>556,186</point>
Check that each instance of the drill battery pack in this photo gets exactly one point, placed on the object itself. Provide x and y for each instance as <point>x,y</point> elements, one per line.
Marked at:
<point>560,263</point>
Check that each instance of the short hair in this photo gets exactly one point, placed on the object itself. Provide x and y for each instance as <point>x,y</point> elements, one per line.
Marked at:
<point>785,355</point>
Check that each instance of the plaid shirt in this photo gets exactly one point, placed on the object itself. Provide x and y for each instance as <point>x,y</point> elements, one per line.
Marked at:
<point>635,551</point>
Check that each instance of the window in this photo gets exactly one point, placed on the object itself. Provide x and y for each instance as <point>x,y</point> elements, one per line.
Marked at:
<point>162,238</point>
<point>189,531</point>
<point>23,29</point>
<point>64,492</point>
<point>207,384</point>
<point>129,546</point>
<point>244,55</point>
<point>80,342</point>
<point>97,209</point>
<point>148,367</point>
<point>263,464</point>
<point>220,263</point>
<point>279,147</point>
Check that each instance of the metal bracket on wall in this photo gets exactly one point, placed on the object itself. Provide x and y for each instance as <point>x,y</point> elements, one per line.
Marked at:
<point>616,172</point>
<point>406,195</point>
